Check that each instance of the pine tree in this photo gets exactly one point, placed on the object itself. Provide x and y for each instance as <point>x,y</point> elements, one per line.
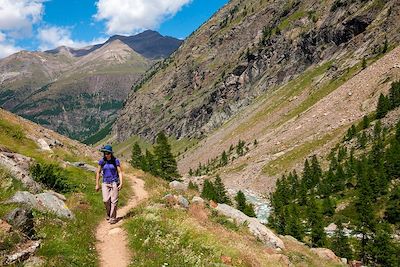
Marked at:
<point>150,163</point>
<point>364,63</point>
<point>166,163</point>
<point>382,248</point>
<point>315,220</point>
<point>362,140</point>
<point>240,148</point>
<point>307,175</point>
<point>383,107</point>
<point>191,172</point>
<point>294,226</point>
<point>224,159</point>
<point>328,207</point>
<point>316,171</point>
<point>209,191</point>
<point>340,242</point>
<point>392,213</point>
<point>193,186</point>
<point>137,157</point>
<point>222,196</point>
<point>394,95</point>
<point>365,122</point>
<point>364,206</point>
<point>240,201</point>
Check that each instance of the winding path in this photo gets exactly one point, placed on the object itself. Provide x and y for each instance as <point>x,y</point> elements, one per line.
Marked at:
<point>112,240</point>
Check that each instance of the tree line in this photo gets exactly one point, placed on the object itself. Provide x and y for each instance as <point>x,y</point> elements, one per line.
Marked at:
<point>364,171</point>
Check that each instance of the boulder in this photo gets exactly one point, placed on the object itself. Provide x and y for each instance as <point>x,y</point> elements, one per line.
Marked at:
<point>4,227</point>
<point>43,145</point>
<point>29,248</point>
<point>176,185</point>
<point>44,202</point>
<point>255,227</point>
<point>326,254</point>
<point>84,166</point>
<point>22,219</point>
<point>170,200</point>
<point>183,202</point>
<point>18,165</point>
<point>197,200</point>
<point>34,262</point>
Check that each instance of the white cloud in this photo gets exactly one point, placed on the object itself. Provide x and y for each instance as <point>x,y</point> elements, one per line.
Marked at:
<point>18,16</point>
<point>132,16</point>
<point>6,47</point>
<point>54,36</point>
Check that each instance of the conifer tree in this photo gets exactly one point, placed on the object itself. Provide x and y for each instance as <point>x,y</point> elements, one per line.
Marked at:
<point>193,186</point>
<point>340,242</point>
<point>137,157</point>
<point>392,213</point>
<point>383,107</point>
<point>242,205</point>
<point>209,191</point>
<point>362,140</point>
<point>328,207</point>
<point>222,196</point>
<point>398,132</point>
<point>394,95</point>
<point>364,206</point>
<point>316,171</point>
<point>224,159</point>
<point>315,220</point>
<point>294,225</point>
<point>149,164</point>
<point>366,122</point>
<point>166,163</point>
<point>382,248</point>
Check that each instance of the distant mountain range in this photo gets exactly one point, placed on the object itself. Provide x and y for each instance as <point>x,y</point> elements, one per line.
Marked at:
<point>78,91</point>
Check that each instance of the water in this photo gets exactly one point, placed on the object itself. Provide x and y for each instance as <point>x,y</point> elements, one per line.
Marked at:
<point>262,206</point>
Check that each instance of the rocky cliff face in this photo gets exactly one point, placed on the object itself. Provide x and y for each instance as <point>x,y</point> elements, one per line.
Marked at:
<point>247,49</point>
<point>78,91</point>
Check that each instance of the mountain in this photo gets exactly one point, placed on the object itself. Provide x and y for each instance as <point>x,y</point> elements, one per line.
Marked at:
<point>254,71</point>
<point>78,91</point>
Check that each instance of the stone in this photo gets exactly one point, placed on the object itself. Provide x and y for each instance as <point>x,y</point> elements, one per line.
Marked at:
<point>213,204</point>
<point>58,195</point>
<point>18,165</point>
<point>344,260</point>
<point>326,254</point>
<point>255,227</point>
<point>43,145</point>
<point>197,200</point>
<point>85,166</point>
<point>170,200</point>
<point>22,219</point>
<point>5,227</point>
<point>44,202</point>
<point>29,248</point>
<point>176,185</point>
<point>34,262</point>
<point>183,202</point>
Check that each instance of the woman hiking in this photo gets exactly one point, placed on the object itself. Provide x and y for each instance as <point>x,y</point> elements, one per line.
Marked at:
<point>110,167</point>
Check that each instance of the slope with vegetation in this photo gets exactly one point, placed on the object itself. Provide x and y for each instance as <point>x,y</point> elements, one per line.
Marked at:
<point>60,244</point>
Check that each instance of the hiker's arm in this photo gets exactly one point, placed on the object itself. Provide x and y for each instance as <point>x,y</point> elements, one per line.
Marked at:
<point>120,176</point>
<point>98,178</point>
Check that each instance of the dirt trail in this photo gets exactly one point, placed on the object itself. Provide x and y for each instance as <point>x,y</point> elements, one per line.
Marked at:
<point>112,240</point>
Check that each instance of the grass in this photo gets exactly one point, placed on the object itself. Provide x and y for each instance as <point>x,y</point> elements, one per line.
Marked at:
<point>289,159</point>
<point>64,242</point>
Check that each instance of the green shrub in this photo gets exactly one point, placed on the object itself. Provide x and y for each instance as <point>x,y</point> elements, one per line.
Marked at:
<point>51,176</point>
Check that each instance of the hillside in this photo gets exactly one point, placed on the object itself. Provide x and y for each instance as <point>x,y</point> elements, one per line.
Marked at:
<point>77,92</point>
<point>44,232</point>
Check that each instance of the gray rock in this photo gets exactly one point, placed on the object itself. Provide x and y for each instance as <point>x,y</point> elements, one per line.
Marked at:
<point>43,145</point>
<point>85,166</point>
<point>34,262</point>
<point>183,202</point>
<point>44,202</point>
<point>198,200</point>
<point>18,165</point>
<point>22,219</point>
<point>176,185</point>
<point>30,248</point>
<point>255,227</point>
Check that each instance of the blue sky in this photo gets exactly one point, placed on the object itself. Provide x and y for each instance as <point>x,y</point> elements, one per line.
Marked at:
<point>45,24</point>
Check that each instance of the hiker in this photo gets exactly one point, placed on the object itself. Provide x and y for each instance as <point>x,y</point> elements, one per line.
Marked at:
<point>112,182</point>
